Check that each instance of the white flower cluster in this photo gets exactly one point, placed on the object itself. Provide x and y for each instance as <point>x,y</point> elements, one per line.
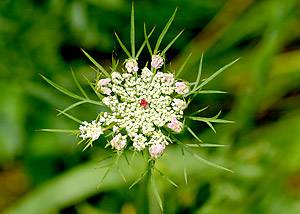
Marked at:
<point>140,106</point>
<point>90,130</point>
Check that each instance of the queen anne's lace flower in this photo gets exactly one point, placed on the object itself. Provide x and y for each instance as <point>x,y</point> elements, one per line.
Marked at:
<point>141,105</point>
<point>144,108</point>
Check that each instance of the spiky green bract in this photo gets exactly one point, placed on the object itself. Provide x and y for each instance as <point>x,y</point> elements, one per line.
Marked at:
<point>78,85</point>
<point>197,88</point>
<point>111,166</point>
<point>183,65</point>
<point>155,192</point>
<point>137,180</point>
<point>147,40</point>
<point>132,32</point>
<point>165,177</point>
<point>194,135</point>
<point>63,90</point>
<point>171,43</point>
<point>96,64</point>
<point>184,146</point>
<point>60,131</point>
<point>72,106</point>
<point>210,120</point>
<point>70,116</point>
<point>123,46</point>
<point>164,31</point>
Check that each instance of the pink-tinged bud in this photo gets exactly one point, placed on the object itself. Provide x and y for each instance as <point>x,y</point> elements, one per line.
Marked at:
<point>118,142</point>
<point>106,91</point>
<point>131,65</point>
<point>175,125</point>
<point>182,88</point>
<point>157,61</point>
<point>156,150</point>
<point>143,103</point>
<point>180,103</point>
<point>103,82</point>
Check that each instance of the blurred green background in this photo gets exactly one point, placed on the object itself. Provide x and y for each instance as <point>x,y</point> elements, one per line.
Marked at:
<point>47,173</point>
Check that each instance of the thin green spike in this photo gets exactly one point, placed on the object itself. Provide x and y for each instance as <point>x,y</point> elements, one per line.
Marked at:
<point>60,131</point>
<point>121,173</point>
<point>132,32</point>
<point>215,117</point>
<point>216,74</point>
<point>105,166</point>
<point>144,43</point>
<point>211,126</point>
<point>100,96</point>
<point>182,67</point>
<point>155,192</point>
<point>78,85</point>
<point>63,90</point>
<point>80,141</point>
<point>166,178</point>
<point>147,41</point>
<point>106,158</point>
<point>184,167</point>
<point>199,72</point>
<point>194,135</point>
<point>199,111</point>
<point>171,43</point>
<point>72,106</point>
<point>163,33</point>
<point>206,145</point>
<point>88,143</point>
<point>204,119</point>
<point>211,92</point>
<point>109,170</point>
<point>137,180</point>
<point>127,160</point>
<point>70,116</point>
<point>96,64</point>
<point>199,158</point>
<point>123,46</point>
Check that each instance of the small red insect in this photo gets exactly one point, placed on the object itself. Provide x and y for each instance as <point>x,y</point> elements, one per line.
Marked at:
<point>143,103</point>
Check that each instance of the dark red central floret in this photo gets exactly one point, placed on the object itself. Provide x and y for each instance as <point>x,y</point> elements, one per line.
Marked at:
<point>143,103</point>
